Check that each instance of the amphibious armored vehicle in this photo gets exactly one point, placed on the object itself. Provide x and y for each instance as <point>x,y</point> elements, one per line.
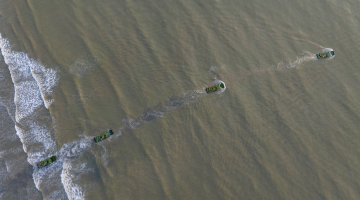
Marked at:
<point>214,88</point>
<point>46,162</point>
<point>103,136</point>
<point>325,55</point>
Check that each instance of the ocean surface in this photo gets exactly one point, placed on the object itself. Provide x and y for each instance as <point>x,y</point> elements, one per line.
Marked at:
<point>287,126</point>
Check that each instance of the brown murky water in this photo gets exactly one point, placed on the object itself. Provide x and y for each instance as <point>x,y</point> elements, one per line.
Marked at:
<point>286,126</point>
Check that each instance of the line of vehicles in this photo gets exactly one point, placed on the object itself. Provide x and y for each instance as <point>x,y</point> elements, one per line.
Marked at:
<point>109,133</point>
<point>211,89</point>
<point>97,139</point>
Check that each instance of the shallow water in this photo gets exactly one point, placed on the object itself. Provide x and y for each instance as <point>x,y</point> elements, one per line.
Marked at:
<point>285,127</point>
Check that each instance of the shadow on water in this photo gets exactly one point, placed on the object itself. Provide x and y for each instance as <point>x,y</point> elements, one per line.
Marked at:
<point>159,110</point>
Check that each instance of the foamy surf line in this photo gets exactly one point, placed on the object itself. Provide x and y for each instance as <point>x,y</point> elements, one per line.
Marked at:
<point>30,78</point>
<point>33,85</point>
<point>61,176</point>
<point>72,174</point>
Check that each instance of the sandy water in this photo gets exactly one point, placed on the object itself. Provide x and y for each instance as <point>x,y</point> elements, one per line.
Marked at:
<point>286,126</point>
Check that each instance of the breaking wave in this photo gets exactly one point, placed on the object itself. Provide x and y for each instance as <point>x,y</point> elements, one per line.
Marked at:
<point>73,169</point>
<point>11,146</point>
<point>28,99</point>
<point>57,176</point>
<point>31,79</point>
<point>48,179</point>
<point>68,179</point>
<point>46,79</point>
<point>32,82</point>
<point>33,86</point>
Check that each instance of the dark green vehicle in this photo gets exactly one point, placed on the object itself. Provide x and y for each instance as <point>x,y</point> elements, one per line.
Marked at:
<point>325,55</point>
<point>214,88</point>
<point>103,136</point>
<point>46,162</point>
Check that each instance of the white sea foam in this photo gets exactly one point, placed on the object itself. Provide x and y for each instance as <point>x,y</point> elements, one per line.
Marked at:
<point>29,99</point>
<point>59,176</point>
<point>41,175</point>
<point>327,49</point>
<point>83,65</point>
<point>308,56</point>
<point>46,79</point>
<point>133,123</point>
<point>74,149</point>
<point>32,80</point>
<point>289,64</point>
<point>73,190</point>
<point>69,153</point>
<point>34,133</point>
<point>70,175</point>
<point>34,84</point>
<point>299,60</point>
<point>48,179</point>
<point>60,173</point>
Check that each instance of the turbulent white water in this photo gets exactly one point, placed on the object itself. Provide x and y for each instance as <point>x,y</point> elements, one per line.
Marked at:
<point>60,177</point>
<point>73,169</point>
<point>29,100</point>
<point>33,85</point>
<point>46,79</point>
<point>73,190</point>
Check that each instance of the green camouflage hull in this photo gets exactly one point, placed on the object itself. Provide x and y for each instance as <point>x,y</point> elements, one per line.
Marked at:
<point>103,136</point>
<point>325,55</point>
<point>46,162</point>
<point>214,88</point>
